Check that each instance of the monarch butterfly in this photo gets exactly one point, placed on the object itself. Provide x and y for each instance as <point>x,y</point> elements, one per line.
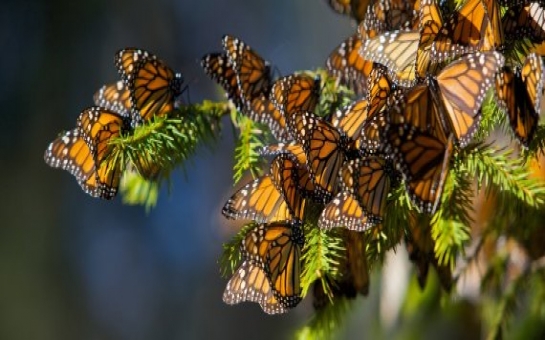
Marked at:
<point>83,151</point>
<point>520,92</point>
<point>292,148</point>
<point>152,84</point>
<point>297,163</point>
<point>292,181</point>
<point>397,14</point>
<point>465,32</point>
<point>379,89</point>
<point>421,146</point>
<point>71,153</point>
<point>525,20</point>
<point>260,109</point>
<point>397,51</point>
<point>430,16</point>
<point>370,178</point>
<point>250,283</point>
<point>370,26</point>
<point>351,118</point>
<point>276,247</point>
<point>371,140</point>
<point>462,86</point>
<point>353,8</point>
<point>494,33</point>
<point>430,24</point>
<point>348,66</point>
<point>365,184</point>
<point>390,15</point>
<point>326,149</point>
<point>271,197</point>
<point>406,53</point>
<point>114,97</point>
<point>295,93</point>
<point>259,200</point>
<point>344,210</point>
<point>220,68</point>
<point>253,73</point>
<point>99,126</point>
<point>421,109</point>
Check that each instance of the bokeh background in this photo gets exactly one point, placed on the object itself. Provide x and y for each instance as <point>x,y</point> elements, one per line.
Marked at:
<point>74,267</point>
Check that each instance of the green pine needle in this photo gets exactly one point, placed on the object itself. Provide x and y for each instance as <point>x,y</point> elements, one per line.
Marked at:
<point>333,96</point>
<point>493,117</point>
<point>320,258</point>
<point>504,171</point>
<point>137,190</point>
<point>231,256</point>
<point>505,307</point>
<point>160,145</point>
<point>247,155</point>
<point>450,225</point>
<point>326,321</point>
<point>388,235</point>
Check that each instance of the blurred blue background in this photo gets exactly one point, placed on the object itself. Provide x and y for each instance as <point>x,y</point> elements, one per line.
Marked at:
<point>74,267</point>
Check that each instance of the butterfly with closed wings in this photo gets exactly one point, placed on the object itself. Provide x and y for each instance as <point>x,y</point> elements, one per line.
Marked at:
<point>519,91</point>
<point>246,79</point>
<point>84,151</point>
<point>271,263</point>
<point>153,85</point>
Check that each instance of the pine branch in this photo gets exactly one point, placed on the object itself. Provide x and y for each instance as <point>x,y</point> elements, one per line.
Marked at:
<point>388,235</point>
<point>517,50</point>
<point>507,304</point>
<point>247,155</point>
<point>493,117</point>
<point>326,321</point>
<point>155,148</point>
<point>450,225</point>
<point>505,172</point>
<point>321,255</point>
<point>333,95</point>
<point>136,190</point>
<point>231,256</point>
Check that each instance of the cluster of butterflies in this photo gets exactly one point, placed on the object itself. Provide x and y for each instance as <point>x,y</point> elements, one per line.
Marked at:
<point>148,89</point>
<point>420,83</point>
